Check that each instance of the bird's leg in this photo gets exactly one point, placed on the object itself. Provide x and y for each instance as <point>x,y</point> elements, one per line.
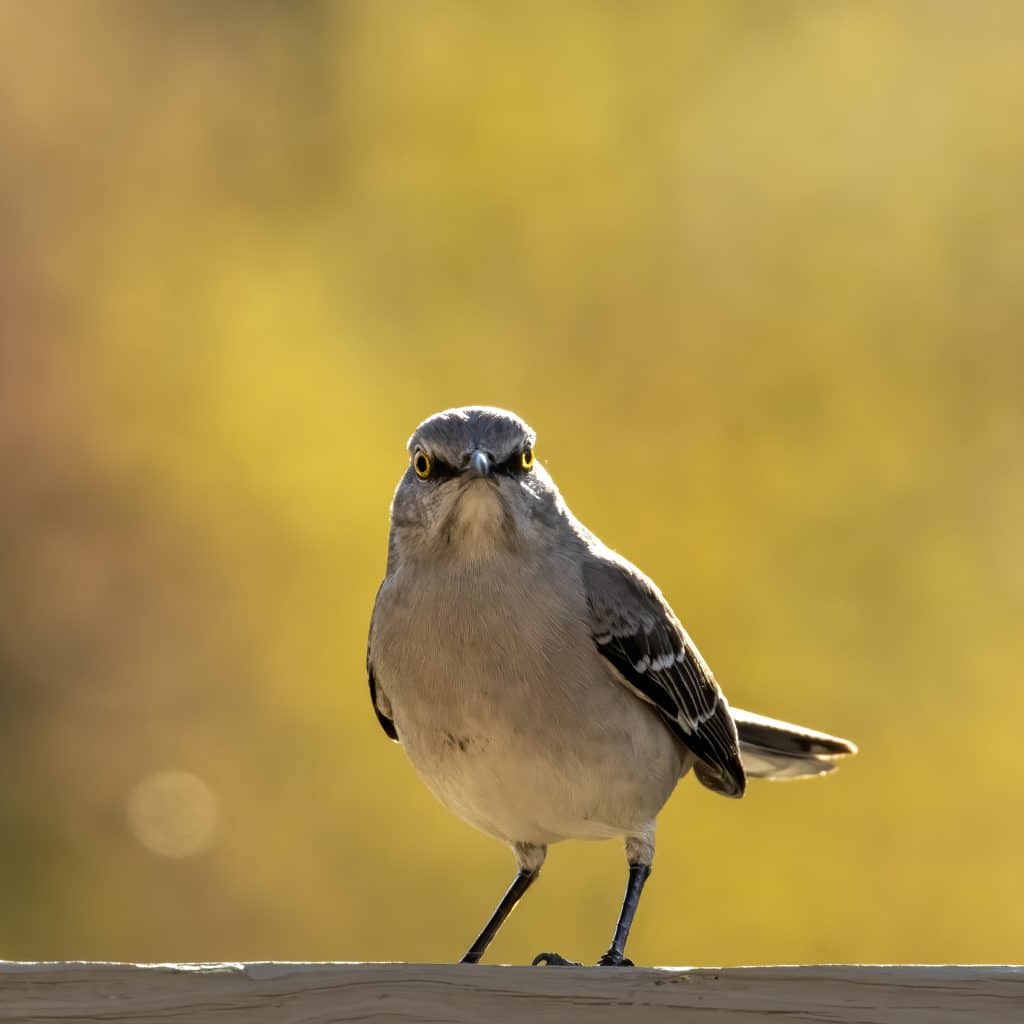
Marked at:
<point>523,880</point>
<point>639,852</point>
<point>530,858</point>
<point>615,957</point>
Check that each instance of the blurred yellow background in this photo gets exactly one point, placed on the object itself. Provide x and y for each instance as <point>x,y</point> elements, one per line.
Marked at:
<point>754,273</point>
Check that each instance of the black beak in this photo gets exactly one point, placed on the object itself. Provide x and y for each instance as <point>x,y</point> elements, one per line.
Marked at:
<point>479,464</point>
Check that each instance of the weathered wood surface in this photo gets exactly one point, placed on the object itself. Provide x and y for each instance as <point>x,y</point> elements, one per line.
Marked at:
<point>288,993</point>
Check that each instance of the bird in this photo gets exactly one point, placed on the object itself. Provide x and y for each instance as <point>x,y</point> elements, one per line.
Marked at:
<point>540,684</point>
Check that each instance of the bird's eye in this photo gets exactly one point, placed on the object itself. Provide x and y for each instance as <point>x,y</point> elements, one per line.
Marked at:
<point>526,459</point>
<point>421,464</point>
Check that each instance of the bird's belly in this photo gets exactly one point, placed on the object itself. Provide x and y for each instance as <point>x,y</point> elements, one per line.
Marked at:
<point>553,750</point>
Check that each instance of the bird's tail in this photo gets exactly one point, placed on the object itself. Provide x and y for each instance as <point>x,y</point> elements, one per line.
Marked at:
<point>771,749</point>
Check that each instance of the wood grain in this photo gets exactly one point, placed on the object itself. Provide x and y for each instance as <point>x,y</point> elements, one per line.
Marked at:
<point>453,994</point>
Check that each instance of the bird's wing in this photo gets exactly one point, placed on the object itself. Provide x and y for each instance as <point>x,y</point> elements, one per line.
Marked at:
<point>381,704</point>
<point>635,629</point>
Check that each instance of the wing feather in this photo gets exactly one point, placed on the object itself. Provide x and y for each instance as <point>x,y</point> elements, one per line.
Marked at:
<point>635,629</point>
<point>386,723</point>
<point>381,705</point>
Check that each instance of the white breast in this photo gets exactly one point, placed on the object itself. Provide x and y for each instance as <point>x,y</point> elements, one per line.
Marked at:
<point>508,711</point>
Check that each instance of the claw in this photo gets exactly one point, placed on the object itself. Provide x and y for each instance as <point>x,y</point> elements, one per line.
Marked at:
<point>553,960</point>
<point>613,960</point>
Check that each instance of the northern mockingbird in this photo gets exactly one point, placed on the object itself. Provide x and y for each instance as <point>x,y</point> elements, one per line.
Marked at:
<point>540,684</point>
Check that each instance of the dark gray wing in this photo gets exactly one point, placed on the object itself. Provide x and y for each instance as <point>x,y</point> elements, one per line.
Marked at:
<point>636,630</point>
<point>380,706</point>
<point>385,723</point>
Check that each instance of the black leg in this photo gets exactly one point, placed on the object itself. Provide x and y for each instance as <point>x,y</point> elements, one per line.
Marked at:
<point>523,880</point>
<point>616,955</point>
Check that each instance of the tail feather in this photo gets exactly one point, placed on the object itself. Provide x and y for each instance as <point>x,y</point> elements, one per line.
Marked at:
<point>771,749</point>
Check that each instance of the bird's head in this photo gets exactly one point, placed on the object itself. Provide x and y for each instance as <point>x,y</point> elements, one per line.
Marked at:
<point>473,487</point>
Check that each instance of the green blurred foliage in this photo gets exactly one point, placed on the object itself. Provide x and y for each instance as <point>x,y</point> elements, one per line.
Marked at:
<point>754,272</point>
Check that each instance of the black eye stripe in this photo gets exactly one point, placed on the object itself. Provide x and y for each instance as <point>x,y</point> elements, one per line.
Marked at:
<point>512,466</point>
<point>439,470</point>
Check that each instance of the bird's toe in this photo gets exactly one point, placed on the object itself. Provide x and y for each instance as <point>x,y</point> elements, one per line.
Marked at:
<point>614,960</point>
<point>554,960</point>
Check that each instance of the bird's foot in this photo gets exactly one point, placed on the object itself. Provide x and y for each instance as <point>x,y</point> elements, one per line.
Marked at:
<point>553,960</point>
<point>611,959</point>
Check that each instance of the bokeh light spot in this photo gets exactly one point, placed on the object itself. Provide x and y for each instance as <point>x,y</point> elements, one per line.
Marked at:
<point>173,813</point>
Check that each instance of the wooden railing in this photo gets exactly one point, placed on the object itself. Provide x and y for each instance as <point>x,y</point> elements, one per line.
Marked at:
<point>261,993</point>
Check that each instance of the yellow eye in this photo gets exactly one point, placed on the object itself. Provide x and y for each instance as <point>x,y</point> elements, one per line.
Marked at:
<point>421,464</point>
<point>526,459</point>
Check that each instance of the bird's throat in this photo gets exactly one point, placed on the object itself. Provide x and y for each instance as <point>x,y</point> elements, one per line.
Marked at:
<point>480,523</point>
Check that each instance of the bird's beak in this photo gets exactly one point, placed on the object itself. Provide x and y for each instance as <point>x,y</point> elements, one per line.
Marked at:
<point>479,464</point>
